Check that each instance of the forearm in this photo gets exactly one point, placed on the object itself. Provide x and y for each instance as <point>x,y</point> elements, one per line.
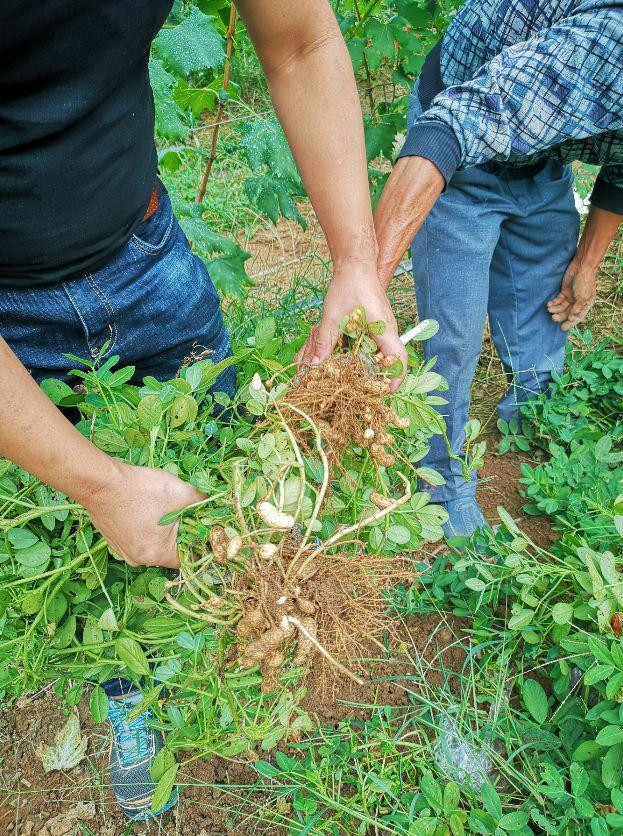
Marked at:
<point>409,194</point>
<point>600,228</point>
<point>312,86</point>
<point>37,437</point>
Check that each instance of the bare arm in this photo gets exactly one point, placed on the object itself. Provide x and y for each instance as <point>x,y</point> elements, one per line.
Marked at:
<point>125,502</point>
<point>312,86</point>
<point>409,194</point>
<point>577,294</point>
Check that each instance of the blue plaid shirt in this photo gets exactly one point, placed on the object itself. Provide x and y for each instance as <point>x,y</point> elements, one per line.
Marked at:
<point>520,80</point>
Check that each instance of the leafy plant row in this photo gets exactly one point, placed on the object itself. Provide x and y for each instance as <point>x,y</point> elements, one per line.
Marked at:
<point>387,43</point>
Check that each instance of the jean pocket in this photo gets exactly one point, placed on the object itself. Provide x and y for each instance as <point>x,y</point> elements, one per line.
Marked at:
<point>152,234</point>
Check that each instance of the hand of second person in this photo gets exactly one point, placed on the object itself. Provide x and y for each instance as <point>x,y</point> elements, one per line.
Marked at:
<point>576,297</point>
<point>352,285</point>
<point>127,511</point>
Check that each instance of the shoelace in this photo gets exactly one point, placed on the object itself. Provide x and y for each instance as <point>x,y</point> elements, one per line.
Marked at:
<point>131,737</point>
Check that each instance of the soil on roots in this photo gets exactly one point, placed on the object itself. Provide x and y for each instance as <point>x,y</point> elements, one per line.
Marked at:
<point>347,402</point>
<point>336,607</point>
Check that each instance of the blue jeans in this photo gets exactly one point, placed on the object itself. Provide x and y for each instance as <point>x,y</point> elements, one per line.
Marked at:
<point>494,245</point>
<point>155,304</point>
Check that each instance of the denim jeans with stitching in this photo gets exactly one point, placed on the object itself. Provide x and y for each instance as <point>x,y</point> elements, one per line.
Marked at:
<point>154,304</point>
<point>494,244</point>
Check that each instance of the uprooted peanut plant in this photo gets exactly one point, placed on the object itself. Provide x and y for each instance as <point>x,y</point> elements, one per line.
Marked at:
<point>313,495</point>
<point>283,588</point>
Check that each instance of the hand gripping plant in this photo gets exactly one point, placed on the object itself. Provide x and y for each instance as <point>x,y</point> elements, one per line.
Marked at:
<point>287,593</point>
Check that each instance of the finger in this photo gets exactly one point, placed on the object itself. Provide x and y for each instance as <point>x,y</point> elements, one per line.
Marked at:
<point>326,338</point>
<point>562,314</point>
<point>557,304</point>
<point>389,345</point>
<point>307,352</point>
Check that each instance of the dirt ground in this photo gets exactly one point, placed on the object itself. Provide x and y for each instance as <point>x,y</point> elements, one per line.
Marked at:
<point>65,804</point>
<point>58,803</point>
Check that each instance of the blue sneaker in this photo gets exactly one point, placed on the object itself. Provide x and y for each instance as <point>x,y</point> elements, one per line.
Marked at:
<point>464,517</point>
<point>134,747</point>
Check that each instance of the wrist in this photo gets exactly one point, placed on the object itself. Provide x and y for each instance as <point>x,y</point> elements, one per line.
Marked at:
<point>105,478</point>
<point>347,270</point>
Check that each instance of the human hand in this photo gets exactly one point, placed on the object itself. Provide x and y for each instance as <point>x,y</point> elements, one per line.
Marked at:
<point>352,285</point>
<point>576,297</point>
<point>127,510</point>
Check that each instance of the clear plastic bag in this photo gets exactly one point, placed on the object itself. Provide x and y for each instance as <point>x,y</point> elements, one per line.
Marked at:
<point>459,759</point>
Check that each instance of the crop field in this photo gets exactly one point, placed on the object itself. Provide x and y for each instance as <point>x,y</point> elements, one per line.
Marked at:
<point>322,663</point>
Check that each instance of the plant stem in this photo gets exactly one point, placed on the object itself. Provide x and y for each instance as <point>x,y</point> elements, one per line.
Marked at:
<point>221,104</point>
<point>341,668</point>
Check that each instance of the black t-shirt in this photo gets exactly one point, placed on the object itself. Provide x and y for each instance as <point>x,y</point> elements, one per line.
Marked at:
<point>77,155</point>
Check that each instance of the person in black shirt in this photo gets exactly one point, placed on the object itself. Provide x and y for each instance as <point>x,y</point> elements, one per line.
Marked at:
<point>90,251</point>
<point>84,256</point>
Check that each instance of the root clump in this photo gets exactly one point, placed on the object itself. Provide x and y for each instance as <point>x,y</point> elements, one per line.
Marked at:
<point>347,402</point>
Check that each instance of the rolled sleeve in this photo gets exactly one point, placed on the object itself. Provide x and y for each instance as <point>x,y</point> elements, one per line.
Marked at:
<point>608,191</point>
<point>435,141</point>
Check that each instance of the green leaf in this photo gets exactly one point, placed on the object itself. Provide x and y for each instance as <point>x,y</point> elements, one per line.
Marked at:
<point>562,613</point>
<point>264,331</point>
<point>108,620</point>
<point>616,796</point>
<point>508,521</point>
<point>456,822</point>
<point>22,538</point>
<point>273,197</point>
<point>597,674</point>
<point>31,602</point>
<point>98,704</point>
<point>183,410</point>
<point>109,440</point>
<point>476,584</point>
<point>65,633</point>
<point>91,632</point>
<point>432,791</point>
<point>515,820</point>
<point>451,797</point>
<point>164,788</point>
<point>131,654</point>
<point>193,45</point>
<point>611,766</point>
<point>34,555</point>
<point>229,273</point>
<point>149,411</point>
<point>267,770</point>
<point>55,608</point>
<point>535,700</point>
<point>163,762</point>
<point>427,474</point>
<point>586,751</point>
<point>169,116</point>
<point>491,801</point>
<point>398,534</point>
<point>380,46</point>
<point>57,390</point>
<point>610,736</point>
<point>520,619</point>
<point>264,144</point>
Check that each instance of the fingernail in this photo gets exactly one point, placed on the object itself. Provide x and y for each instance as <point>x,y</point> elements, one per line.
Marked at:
<point>315,361</point>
